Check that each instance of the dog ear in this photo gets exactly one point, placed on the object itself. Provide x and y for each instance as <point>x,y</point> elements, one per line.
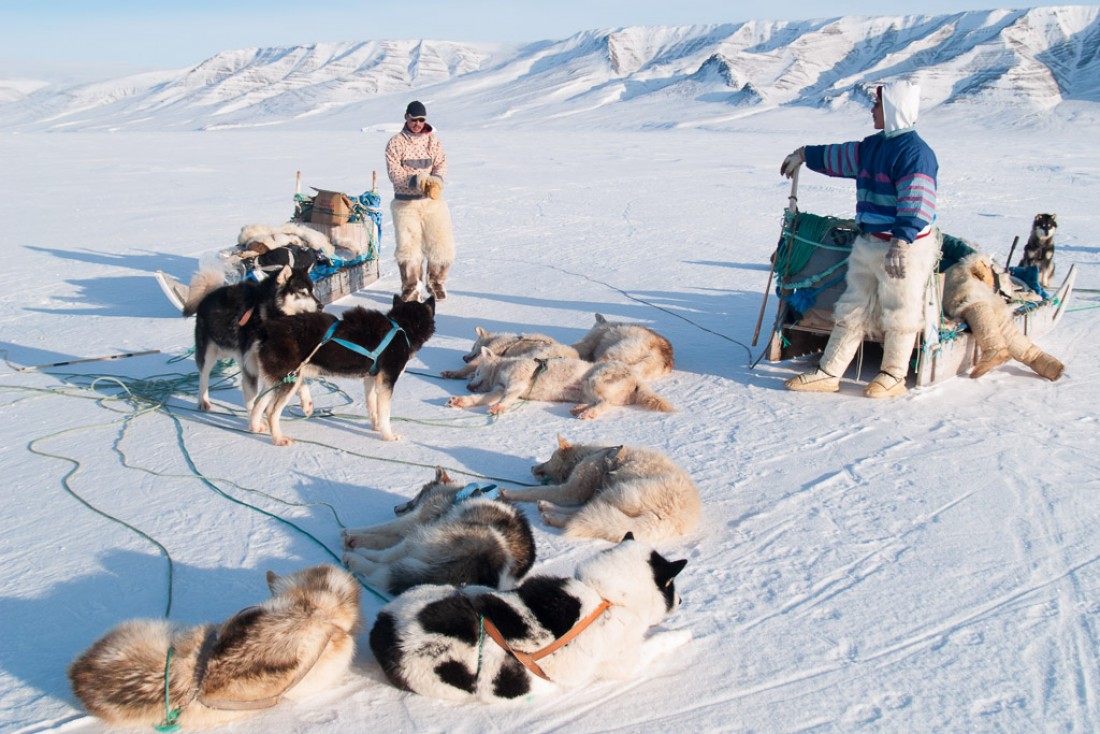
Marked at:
<point>629,536</point>
<point>441,475</point>
<point>600,319</point>
<point>284,275</point>
<point>396,300</point>
<point>481,332</point>
<point>562,443</point>
<point>272,579</point>
<point>486,354</point>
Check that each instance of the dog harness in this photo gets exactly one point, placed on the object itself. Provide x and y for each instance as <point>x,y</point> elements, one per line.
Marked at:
<point>529,659</point>
<point>477,489</point>
<point>372,355</point>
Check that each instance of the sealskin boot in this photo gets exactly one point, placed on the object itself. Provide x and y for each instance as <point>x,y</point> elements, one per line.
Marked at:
<point>984,322</point>
<point>437,277</point>
<point>410,279</point>
<point>842,346</point>
<point>897,348</point>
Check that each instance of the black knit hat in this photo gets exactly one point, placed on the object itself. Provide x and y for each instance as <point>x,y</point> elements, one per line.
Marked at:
<point>416,109</point>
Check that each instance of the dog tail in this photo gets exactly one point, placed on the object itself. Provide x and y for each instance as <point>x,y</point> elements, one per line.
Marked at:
<point>606,522</point>
<point>207,280</point>
<point>646,398</point>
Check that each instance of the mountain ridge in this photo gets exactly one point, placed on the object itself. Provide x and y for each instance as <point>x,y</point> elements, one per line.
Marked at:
<point>1029,61</point>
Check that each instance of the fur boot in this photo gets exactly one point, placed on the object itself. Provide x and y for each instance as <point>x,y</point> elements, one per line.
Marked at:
<point>842,346</point>
<point>1024,350</point>
<point>897,348</point>
<point>410,280</point>
<point>983,322</point>
<point>437,278</point>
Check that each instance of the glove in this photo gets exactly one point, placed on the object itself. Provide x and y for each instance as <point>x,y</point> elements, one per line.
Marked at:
<point>895,258</point>
<point>792,162</point>
<point>428,185</point>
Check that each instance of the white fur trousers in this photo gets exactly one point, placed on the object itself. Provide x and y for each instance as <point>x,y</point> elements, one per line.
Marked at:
<point>422,229</point>
<point>874,303</point>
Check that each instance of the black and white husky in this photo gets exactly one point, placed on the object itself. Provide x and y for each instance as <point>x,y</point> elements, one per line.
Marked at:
<point>228,319</point>
<point>1039,250</point>
<point>480,644</point>
<point>448,534</point>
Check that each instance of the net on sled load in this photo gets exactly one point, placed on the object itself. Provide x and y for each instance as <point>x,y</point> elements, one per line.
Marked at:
<point>810,264</point>
<point>354,227</point>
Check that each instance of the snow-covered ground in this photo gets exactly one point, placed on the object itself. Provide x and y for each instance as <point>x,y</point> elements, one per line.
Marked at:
<point>924,564</point>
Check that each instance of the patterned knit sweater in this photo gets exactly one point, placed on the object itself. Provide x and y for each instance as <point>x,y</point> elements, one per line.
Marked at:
<point>409,154</point>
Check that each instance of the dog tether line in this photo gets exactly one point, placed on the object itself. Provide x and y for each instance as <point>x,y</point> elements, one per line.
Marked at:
<point>530,660</point>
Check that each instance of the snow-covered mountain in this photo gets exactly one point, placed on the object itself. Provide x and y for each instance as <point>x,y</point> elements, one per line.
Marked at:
<point>1027,61</point>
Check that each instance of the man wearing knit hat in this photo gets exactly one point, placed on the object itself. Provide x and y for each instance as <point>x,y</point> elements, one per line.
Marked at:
<point>417,167</point>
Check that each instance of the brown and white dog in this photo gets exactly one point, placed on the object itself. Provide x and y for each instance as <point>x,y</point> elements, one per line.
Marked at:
<point>297,643</point>
<point>1039,250</point>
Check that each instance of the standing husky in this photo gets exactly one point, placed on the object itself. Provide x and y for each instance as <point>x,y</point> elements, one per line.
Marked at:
<point>299,642</point>
<point>444,537</point>
<point>228,319</point>
<point>507,344</point>
<point>312,344</point>
<point>649,353</point>
<point>487,645</point>
<point>1039,250</point>
<point>607,491</point>
<point>505,381</point>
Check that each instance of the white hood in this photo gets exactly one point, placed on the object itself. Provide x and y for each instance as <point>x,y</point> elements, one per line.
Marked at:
<point>900,105</point>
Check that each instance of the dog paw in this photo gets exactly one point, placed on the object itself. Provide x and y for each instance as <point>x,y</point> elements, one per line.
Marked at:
<point>204,406</point>
<point>450,375</point>
<point>282,441</point>
<point>391,437</point>
<point>497,409</point>
<point>588,414</point>
<point>259,427</point>
<point>458,402</point>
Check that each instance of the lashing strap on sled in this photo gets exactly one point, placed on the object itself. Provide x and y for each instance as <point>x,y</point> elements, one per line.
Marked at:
<point>369,354</point>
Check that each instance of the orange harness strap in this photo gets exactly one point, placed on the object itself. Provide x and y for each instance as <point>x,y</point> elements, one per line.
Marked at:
<point>528,659</point>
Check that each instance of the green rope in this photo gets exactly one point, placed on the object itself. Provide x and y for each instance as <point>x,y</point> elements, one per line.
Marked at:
<point>171,715</point>
<point>802,234</point>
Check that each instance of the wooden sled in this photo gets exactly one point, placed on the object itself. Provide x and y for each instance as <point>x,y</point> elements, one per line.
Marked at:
<point>815,265</point>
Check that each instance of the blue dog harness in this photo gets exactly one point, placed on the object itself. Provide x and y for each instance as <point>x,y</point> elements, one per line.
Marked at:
<point>372,355</point>
<point>477,489</point>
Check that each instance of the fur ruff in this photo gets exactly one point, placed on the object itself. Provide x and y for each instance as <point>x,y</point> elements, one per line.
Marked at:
<point>297,643</point>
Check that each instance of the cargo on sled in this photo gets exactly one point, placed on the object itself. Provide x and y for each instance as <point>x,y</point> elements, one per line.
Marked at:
<point>810,264</point>
<point>336,235</point>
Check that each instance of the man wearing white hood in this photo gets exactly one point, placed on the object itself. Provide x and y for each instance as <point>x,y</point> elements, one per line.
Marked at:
<point>897,248</point>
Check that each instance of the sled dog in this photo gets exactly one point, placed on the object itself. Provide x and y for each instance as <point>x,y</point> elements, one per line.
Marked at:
<point>481,644</point>
<point>448,534</point>
<point>313,344</point>
<point>507,344</point>
<point>504,381</point>
<point>297,643</point>
<point>228,319</point>
<point>1039,250</point>
<point>607,491</point>
<point>649,353</point>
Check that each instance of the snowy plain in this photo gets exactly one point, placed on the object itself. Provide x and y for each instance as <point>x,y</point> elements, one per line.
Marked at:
<point>924,564</point>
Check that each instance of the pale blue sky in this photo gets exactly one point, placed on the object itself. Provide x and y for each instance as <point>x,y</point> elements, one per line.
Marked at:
<point>169,34</point>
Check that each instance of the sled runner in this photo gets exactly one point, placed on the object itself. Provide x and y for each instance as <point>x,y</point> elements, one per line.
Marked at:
<point>334,234</point>
<point>810,263</point>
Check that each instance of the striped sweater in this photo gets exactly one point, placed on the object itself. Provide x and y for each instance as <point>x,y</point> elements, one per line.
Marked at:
<point>895,177</point>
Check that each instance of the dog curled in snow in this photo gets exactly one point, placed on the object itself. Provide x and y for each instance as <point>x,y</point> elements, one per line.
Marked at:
<point>481,644</point>
<point>508,344</point>
<point>299,642</point>
<point>448,534</point>
<point>362,343</point>
<point>501,382</point>
<point>649,353</point>
<point>1039,250</point>
<point>968,294</point>
<point>228,320</point>
<point>607,491</point>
